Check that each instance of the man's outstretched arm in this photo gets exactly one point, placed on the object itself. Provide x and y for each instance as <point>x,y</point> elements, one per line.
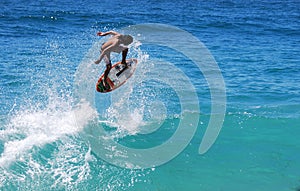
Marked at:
<point>107,33</point>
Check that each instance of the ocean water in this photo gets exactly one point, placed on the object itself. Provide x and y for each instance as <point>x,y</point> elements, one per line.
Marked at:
<point>57,133</point>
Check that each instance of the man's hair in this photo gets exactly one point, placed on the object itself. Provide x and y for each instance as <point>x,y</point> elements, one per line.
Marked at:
<point>128,38</point>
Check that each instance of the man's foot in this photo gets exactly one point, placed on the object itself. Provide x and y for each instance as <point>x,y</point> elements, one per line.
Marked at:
<point>125,64</point>
<point>97,62</point>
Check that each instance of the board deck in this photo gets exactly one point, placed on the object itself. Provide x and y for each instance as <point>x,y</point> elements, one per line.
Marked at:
<point>117,76</point>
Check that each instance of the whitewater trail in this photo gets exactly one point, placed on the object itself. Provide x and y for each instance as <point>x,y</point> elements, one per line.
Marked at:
<point>30,128</point>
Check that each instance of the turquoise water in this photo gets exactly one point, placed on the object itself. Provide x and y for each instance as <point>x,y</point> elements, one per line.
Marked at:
<point>50,112</point>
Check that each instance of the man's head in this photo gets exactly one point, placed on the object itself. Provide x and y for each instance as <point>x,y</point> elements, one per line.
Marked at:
<point>127,39</point>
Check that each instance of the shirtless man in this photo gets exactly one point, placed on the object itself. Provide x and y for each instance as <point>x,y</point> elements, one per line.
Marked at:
<point>117,43</point>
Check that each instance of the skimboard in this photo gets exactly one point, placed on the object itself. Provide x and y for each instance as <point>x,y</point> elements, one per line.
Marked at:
<point>117,76</point>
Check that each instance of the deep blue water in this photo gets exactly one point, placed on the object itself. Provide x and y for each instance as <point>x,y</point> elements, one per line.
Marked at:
<point>48,103</point>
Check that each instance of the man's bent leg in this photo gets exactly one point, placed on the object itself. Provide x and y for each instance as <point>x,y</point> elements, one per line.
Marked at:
<point>124,55</point>
<point>108,68</point>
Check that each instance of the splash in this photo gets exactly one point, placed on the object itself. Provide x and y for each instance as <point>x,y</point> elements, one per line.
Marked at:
<point>46,146</point>
<point>36,127</point>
